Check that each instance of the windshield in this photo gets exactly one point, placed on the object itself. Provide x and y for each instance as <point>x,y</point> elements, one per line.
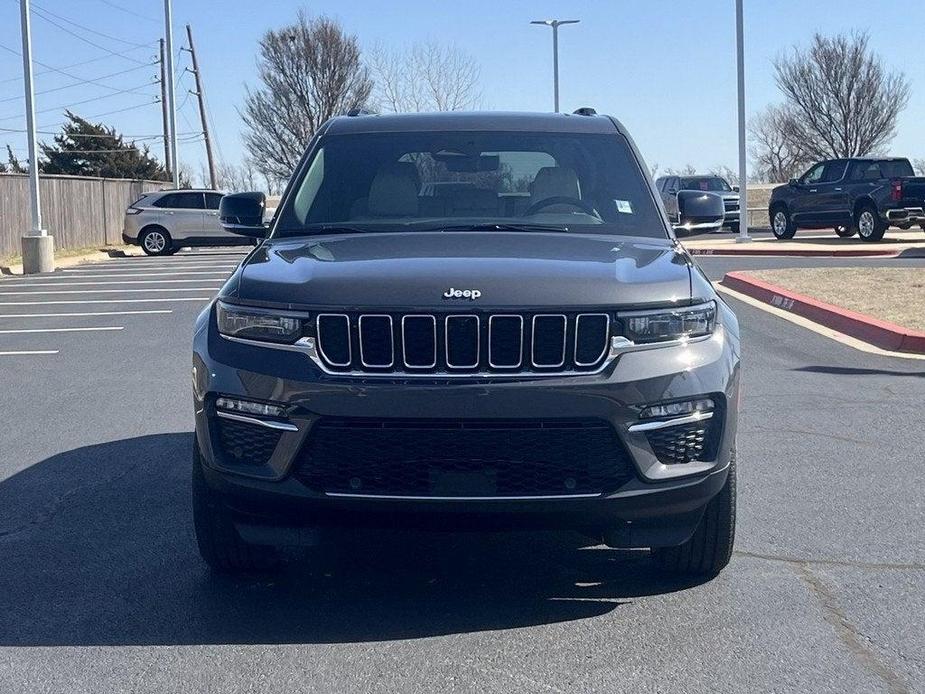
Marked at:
<point>714,184</point>
<point>457,181</point>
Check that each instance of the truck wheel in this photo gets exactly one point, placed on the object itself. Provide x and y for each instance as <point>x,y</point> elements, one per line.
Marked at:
<point>781,223</point>
<point>709,549</point>
<point>868,224</point>
<point>845,231</point>
<point>155,241</point>
<point>219,542</point>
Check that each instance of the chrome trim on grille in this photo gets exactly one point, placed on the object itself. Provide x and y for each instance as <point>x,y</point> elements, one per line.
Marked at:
<point>391,341</point>
<point>320,340</point>
<point>446,340</point>
<point>533,339</point>
<point>664,424</point>
<point>404,342</point>
<point>268,424</point>
<point>606,338</point>
<point>520,349</point>
<point>348,495</point>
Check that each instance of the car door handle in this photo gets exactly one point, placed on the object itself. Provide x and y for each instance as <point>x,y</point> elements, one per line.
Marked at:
<point>813,190</point>
<point>838,190</point>
<point>213,214</point>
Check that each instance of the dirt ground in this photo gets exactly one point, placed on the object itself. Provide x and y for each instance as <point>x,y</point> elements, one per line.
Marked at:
<point>896,295</point>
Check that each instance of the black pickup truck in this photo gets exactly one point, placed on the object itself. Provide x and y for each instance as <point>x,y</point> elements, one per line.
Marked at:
<point>863,196</point>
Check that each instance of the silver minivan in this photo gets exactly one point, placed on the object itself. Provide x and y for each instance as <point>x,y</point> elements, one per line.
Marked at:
<point>164,221</point>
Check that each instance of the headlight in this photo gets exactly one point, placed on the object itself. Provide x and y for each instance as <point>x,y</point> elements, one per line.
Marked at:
<point>257,324</point>
<point>661,325</point>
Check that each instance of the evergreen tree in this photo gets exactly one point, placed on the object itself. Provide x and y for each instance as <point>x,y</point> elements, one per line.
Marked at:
<point>93,149</point>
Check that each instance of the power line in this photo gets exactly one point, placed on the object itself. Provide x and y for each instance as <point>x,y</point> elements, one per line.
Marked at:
<point>130,90</point>
<point>147,104</point>
<point>36,6</point>
<point>127,10</point>
<point>77,84</point>
<point>39,14</point>
<point>66,67</point>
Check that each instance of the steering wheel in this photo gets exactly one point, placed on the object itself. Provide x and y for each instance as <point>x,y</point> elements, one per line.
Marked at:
<point>560,200</point>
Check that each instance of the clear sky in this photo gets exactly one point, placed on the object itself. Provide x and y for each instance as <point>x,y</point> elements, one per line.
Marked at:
<point>664,67</point>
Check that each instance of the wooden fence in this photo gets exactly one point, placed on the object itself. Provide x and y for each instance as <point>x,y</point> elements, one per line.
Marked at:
<point>79,212</point>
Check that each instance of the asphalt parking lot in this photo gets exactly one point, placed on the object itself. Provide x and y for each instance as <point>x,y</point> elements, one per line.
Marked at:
<point>102,590</point>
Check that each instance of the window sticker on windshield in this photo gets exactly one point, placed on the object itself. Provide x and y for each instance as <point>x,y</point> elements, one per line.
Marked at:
<point>624,206</point>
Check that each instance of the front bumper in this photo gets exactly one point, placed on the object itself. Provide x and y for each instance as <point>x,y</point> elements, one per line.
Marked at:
<point>660,505</point>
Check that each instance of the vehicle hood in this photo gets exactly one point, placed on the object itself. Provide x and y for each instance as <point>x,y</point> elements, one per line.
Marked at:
<point>509,270</point>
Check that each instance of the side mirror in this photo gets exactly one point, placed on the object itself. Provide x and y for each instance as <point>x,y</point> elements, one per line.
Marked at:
<point>242,213</point>
<point>735,189</point>
<point>793,183</point>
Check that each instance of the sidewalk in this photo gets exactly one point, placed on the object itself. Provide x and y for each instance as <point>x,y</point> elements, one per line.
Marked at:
<point>822,243</point>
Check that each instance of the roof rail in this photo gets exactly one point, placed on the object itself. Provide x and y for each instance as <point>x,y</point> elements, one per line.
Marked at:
<point>585,111</point>
<point>354,112</point>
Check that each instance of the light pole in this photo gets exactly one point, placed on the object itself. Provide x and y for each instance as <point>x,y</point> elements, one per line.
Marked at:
<point>38,248</point>
<point>743,173</point>
<point>555,24</point>
<point>171,93</point>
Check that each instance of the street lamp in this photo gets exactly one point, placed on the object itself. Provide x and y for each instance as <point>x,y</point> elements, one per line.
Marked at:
<point>555,24</point>
<point>743,173</point>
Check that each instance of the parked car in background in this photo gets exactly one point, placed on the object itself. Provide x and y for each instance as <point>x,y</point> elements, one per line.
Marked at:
<point>424,338</point>
<point>691,207</point>
<point>164,221</point>
<point>863,196</point>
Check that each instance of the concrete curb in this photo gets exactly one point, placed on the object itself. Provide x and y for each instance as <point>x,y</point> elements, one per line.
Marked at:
<point>91,255</point>
<point>882,334</point>
<point>799,252</point>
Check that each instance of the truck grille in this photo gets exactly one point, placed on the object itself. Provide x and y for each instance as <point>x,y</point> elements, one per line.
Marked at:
<point>463,458</point>
<point>462,342</point>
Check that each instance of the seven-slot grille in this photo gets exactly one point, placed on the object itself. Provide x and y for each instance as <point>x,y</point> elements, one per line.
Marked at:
<point>731,205</point>
<point>462,342</point>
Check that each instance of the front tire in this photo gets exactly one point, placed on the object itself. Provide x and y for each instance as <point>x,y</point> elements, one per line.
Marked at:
<point>155,241</point>
<point>220,545</point>
<point>709,549</point>
<point>868,224</point>
<point>782,223</point>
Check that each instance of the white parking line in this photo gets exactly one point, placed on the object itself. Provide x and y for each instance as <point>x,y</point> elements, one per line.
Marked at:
<point>113,291</point>
<point>98,284</point>
<point>214,268</point>
<point>61,330</point>
<point>82,276</point>
<point>30,351</point>
<point>81,315</point>
<point>104,301</point>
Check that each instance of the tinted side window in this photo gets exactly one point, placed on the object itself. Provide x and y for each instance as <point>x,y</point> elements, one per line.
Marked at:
<point>833,171</point>
<point>814,174</point>
<point>185,201</point>
<point>212,201</point>
<point>865,171</point>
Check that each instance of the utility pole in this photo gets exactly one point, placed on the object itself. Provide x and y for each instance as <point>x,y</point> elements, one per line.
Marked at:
<point>743,162</point>
<point>555,24</point>
<point>164,111</point>
<point>171,92</point>
<point>38,248</point>
<point>202,109</point>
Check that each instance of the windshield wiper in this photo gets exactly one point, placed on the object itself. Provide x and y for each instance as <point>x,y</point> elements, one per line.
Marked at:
<point>325,228</point>
<point>503,226</point>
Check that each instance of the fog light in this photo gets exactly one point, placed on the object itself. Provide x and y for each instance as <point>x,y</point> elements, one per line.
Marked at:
<point>677,409</point>
<point>248,407</point>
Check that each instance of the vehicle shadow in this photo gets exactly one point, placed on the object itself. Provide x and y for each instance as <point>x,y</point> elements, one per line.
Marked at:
<point>97,548</point>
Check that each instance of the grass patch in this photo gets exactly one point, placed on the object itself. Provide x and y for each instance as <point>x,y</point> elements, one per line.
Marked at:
<point>896,295</point>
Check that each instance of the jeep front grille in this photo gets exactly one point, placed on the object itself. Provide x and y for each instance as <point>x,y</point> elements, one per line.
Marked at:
<point>462,343</point>
<point>463,458</point>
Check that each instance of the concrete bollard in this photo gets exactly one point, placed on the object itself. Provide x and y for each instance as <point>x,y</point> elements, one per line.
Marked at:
<point>38,254</point>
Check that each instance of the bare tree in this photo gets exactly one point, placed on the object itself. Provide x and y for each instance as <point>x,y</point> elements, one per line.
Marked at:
<point>309,72</point>
<point>776,150</point>
<point>686,170</point>
<point>840,99</point>
<point>424,77</point>
<point>919,166</point>
<point>725,172</point>
<point>236,178</point>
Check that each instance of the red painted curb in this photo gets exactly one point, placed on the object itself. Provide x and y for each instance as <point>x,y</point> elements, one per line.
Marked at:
<point>880,333</point>
<point>798,253</point>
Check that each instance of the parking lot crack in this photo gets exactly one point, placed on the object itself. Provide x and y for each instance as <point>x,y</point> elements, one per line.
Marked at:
<point>796,561</point>
<point>859,645</point>
<point>51,509</point>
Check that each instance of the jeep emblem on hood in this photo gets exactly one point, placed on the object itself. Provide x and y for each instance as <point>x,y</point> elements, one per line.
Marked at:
<point>471,294</point>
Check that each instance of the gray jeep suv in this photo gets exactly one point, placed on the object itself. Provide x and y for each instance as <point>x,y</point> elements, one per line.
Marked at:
<point>459,320</point>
